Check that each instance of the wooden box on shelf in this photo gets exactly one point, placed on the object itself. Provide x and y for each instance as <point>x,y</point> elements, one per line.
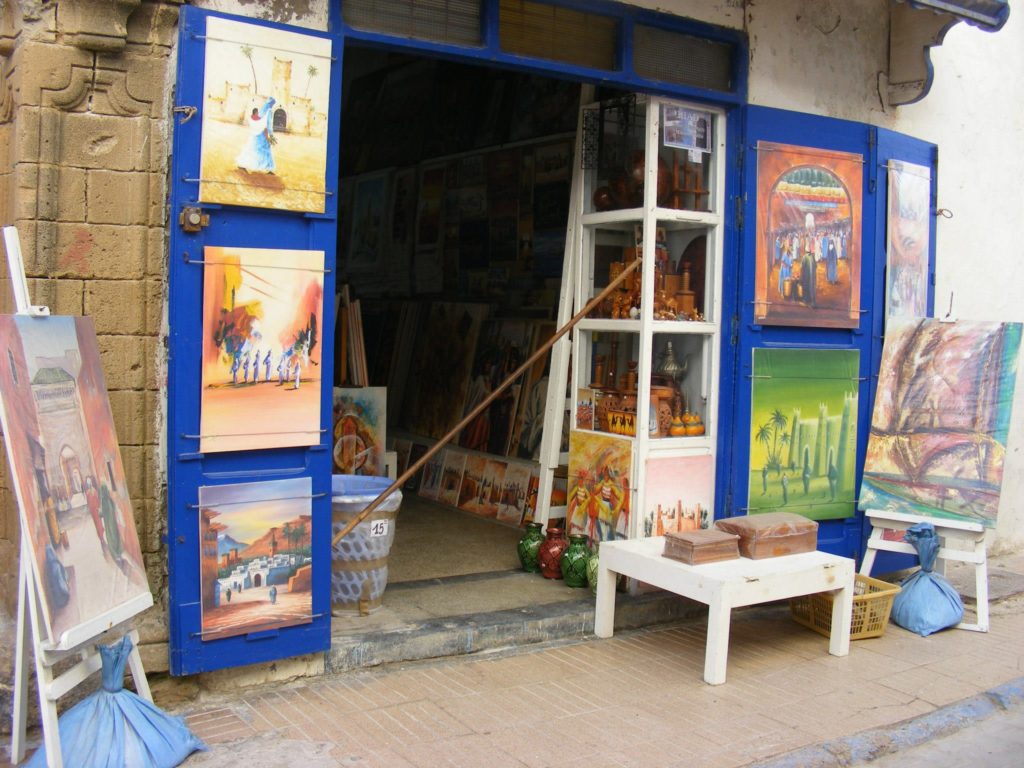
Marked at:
<point>703,546</point>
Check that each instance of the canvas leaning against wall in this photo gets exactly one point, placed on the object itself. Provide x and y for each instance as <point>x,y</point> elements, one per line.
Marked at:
<point>908,240</point>
<point>942,415</point>
<point>803,432</point>
<point>808,249</point>
<point>74,501</point>
<point>266,97</point>
<point>256,563</point>
<point>262,324</point>
<point>360,427</point>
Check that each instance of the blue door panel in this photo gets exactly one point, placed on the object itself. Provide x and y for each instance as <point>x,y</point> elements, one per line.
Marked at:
<point>896,146</point>
<point>844,537</point>
<point>187,469</point>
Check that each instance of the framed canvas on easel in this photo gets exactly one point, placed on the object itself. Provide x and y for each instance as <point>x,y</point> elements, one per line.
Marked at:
<point>939,439</point>
<point>81,571</point>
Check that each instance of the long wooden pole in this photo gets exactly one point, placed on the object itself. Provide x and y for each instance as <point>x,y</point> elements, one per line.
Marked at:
<point>630,268</point>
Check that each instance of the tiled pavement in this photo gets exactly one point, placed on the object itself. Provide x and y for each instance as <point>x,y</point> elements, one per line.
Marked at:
<point>634,700</point>
<point>638,699</point>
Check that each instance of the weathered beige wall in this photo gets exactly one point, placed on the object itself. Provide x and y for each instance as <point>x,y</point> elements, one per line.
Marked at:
<point>83,137</point>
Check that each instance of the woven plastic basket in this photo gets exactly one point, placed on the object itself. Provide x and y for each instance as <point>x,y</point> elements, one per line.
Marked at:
<point>872,603</point>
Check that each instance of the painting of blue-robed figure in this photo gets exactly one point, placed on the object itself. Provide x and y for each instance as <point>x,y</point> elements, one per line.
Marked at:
<point>266,97</point>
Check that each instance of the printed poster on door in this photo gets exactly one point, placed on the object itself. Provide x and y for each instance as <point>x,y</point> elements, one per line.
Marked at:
<point>265,113</point>
<point>803,432</point>
<point>908,238</point>
<point>256,561</point>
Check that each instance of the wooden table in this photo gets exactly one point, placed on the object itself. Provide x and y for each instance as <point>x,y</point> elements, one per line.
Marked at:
<point>725,585</point>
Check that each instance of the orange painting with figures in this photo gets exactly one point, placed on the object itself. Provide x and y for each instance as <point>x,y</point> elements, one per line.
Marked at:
<point>262,323</point>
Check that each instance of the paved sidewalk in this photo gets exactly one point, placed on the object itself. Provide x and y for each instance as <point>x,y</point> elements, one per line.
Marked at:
<point>634,700</point>
<point>638,699</point>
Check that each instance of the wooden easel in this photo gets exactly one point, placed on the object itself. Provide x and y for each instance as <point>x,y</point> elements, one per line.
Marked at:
<point>962,541</point>
<point>79,640</point>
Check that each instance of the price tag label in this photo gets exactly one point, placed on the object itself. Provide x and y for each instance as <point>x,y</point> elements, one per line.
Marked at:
<point>379,528</point>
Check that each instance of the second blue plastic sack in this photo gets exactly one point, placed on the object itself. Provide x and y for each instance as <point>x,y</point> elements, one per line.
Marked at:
<point>926,602</point>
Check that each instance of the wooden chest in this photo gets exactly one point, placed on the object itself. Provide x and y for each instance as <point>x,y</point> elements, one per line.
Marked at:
<point>704,546</point>
<point>772,534</point>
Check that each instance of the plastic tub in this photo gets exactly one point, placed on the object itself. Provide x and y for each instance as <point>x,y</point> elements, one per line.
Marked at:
<point>359,562</point>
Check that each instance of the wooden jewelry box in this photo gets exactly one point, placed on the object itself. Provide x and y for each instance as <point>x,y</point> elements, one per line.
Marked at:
<point>703,546</point>
<point>772,534</point>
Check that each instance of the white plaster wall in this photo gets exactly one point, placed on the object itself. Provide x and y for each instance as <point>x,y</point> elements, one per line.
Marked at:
<point>826,57</point>
<point>311,14</point>
<point>974,113</point>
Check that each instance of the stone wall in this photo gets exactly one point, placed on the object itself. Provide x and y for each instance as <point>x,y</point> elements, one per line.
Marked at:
<point>84,145</point>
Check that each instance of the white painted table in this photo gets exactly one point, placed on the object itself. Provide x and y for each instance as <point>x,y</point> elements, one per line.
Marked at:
<point>725,585</point>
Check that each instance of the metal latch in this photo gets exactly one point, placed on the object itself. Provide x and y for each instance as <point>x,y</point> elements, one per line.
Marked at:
<point>192,218</point>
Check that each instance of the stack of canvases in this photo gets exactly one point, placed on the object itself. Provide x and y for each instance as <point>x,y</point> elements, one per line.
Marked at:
<point>459,357</point>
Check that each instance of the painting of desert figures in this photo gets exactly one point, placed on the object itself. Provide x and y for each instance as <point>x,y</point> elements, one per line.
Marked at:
<point>265,104</point>
<point>942,416</point>
<point>803,436</point>
<point>599,486</point>
<point>256,566</point>
<point>262,315</point>
<point>70,483</point>
<point>807,265</point>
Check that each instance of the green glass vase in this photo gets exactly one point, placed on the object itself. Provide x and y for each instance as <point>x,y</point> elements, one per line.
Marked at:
<point>574,561</point>
<point>529,546</point>
<point>592,561</point>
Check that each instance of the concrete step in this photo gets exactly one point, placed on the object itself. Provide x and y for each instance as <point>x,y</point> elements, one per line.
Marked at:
<point>480,613</point>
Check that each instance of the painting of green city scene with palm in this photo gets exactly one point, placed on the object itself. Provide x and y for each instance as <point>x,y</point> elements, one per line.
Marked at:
<point>803,432</point>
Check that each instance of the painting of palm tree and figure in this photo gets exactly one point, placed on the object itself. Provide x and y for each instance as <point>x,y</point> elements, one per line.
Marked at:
<point>256,563</point>
<point>262,319</point>
<point>803,435</point>
<point>266,95</point>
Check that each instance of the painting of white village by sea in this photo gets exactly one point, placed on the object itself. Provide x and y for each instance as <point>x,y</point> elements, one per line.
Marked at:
<point>256,563</point>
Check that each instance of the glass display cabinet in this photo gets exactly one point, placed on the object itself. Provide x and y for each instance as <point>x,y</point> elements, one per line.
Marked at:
<point>644,363</point>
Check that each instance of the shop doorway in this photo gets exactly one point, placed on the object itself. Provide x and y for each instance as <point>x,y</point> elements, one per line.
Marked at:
<point>454,197</point>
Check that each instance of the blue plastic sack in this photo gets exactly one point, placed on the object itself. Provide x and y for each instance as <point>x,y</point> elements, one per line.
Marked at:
<point>115,728</point>
<point>926,602</point>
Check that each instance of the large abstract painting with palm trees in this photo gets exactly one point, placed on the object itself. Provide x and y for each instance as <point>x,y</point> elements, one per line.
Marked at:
<point>803,436</point>
<point>941,419</point>
<point>266,96</point>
